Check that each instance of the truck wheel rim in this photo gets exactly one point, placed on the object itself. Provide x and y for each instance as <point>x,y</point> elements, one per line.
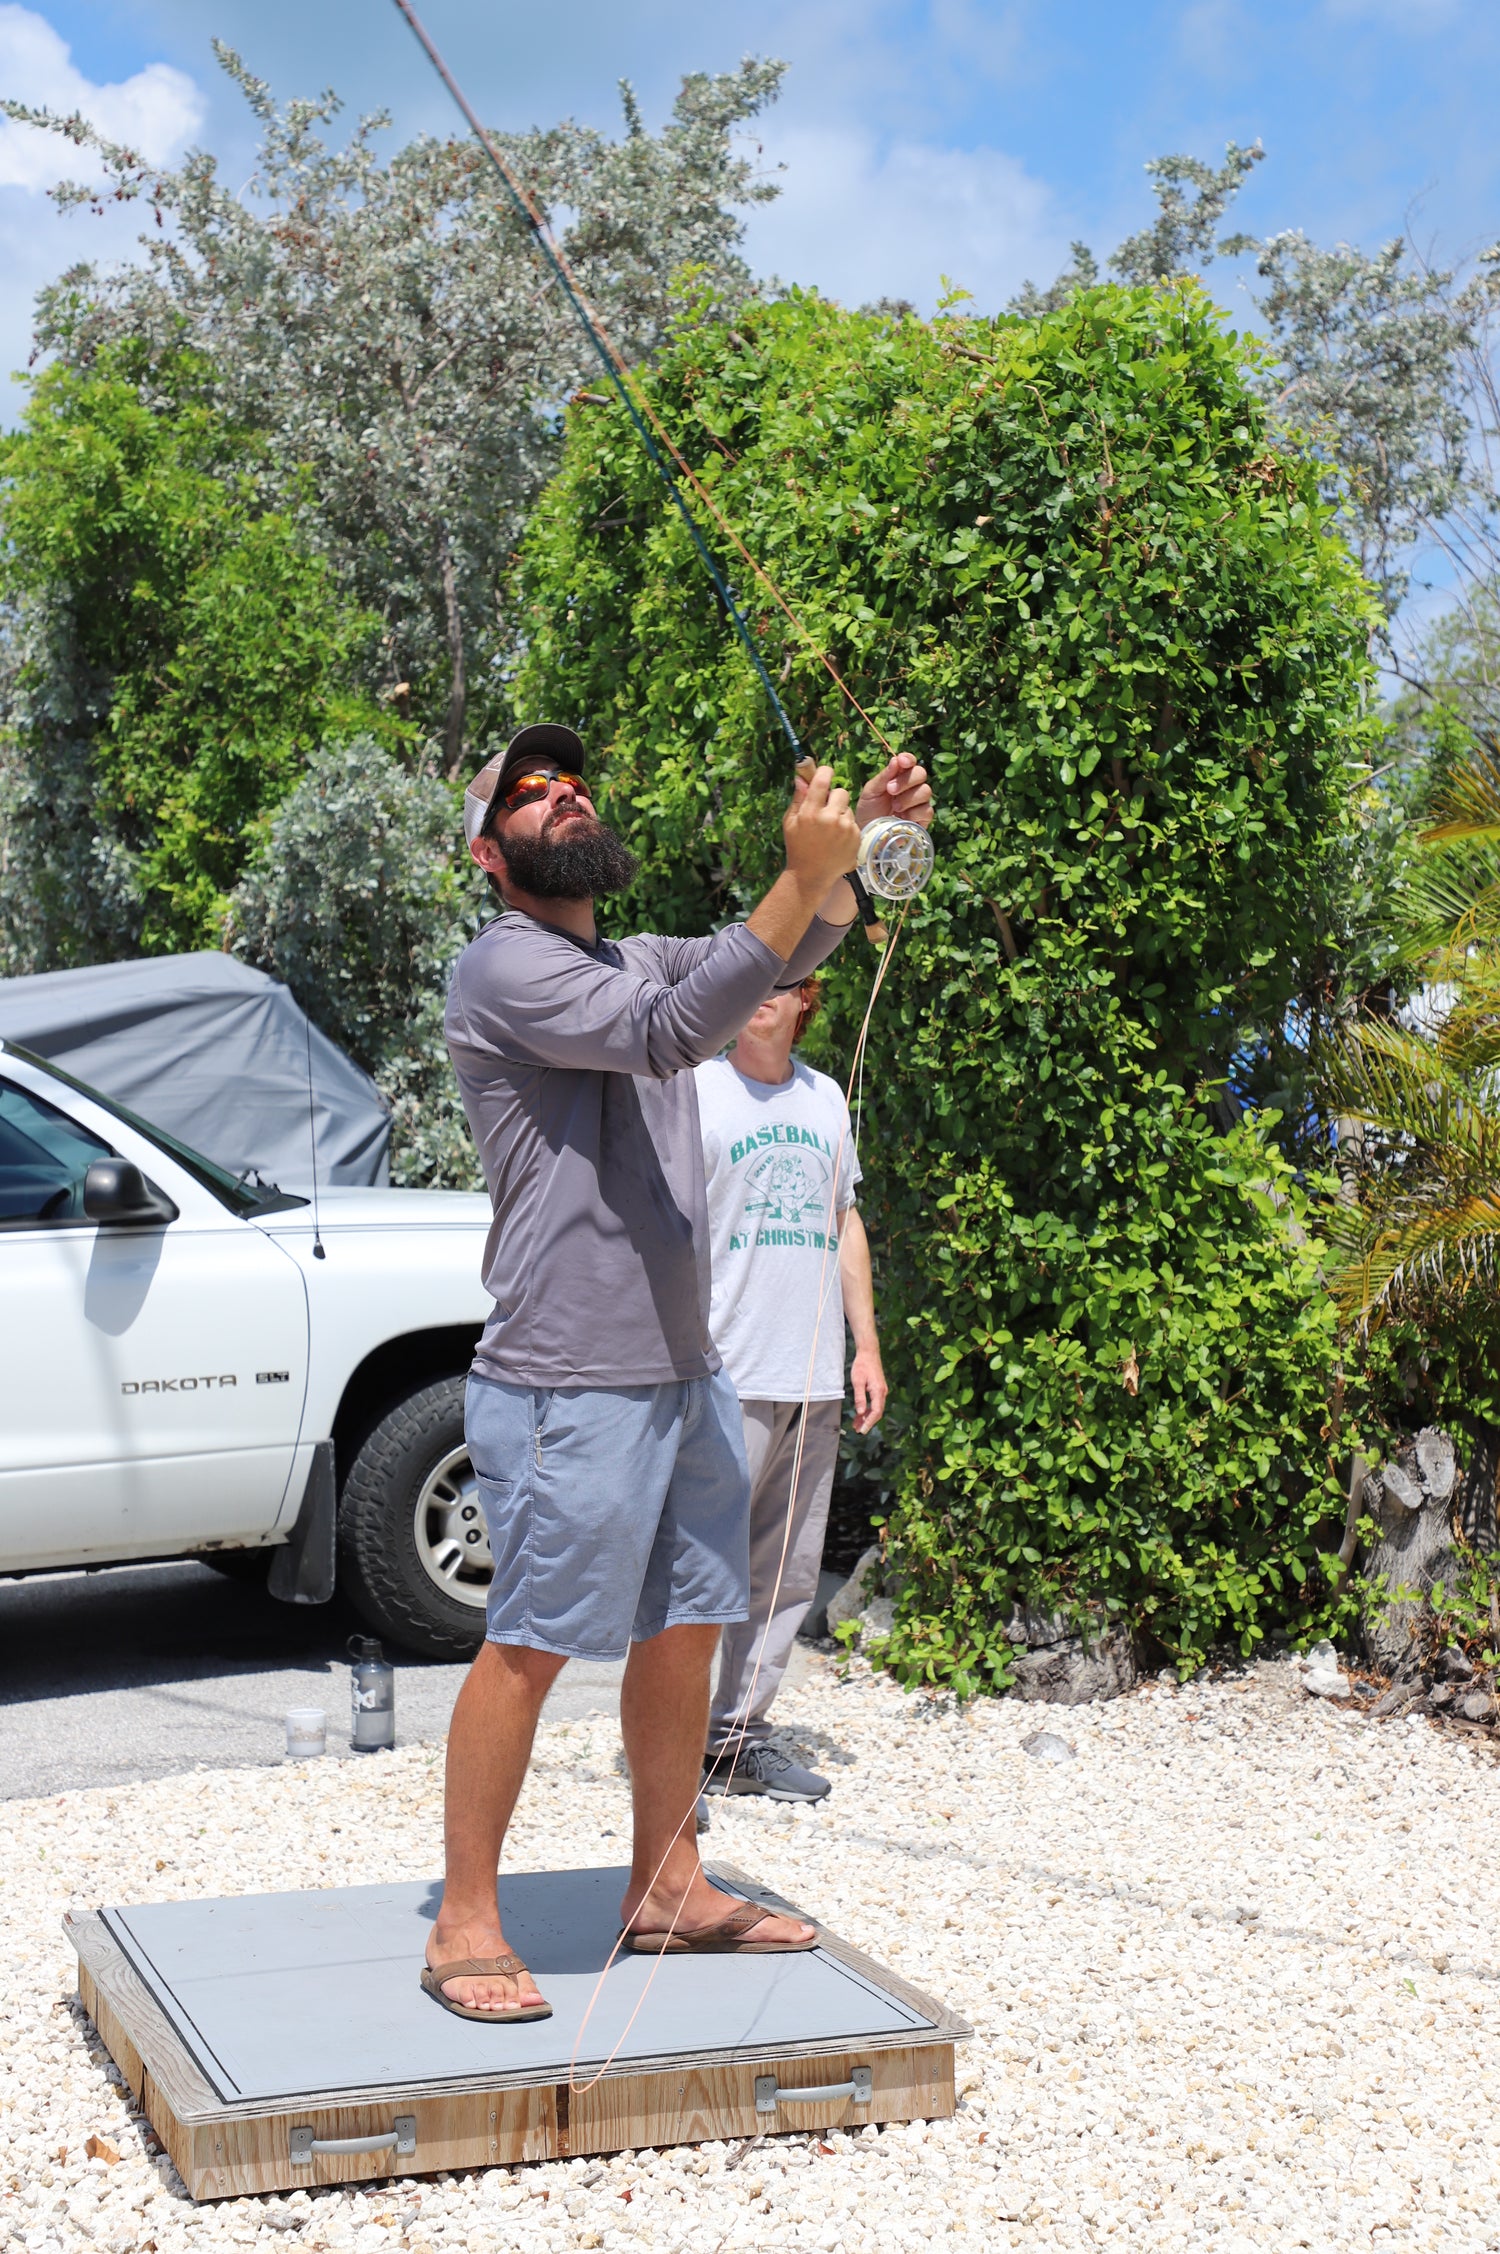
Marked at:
<point>453,1541</point>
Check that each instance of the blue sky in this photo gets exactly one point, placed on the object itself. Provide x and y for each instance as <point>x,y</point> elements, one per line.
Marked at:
<point>972,137</point>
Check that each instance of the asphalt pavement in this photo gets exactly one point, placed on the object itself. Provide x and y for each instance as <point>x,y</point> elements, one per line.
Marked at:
<point>149,1670</point>
<point>144,1670</point>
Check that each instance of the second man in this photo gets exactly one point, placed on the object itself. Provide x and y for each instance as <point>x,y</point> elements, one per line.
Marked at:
<point>790,1263</point>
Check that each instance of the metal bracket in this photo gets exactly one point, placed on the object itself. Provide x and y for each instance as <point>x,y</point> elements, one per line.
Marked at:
<point>859,2089</point>
<point>402,2134</point>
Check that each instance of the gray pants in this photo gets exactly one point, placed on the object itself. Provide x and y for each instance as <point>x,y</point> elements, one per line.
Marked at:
<point>770,1444</point>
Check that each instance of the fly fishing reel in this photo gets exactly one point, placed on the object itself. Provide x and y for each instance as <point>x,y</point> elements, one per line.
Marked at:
<point>895,858</point>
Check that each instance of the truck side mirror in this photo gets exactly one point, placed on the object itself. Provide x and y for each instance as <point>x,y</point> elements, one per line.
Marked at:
<point>116,1190</point>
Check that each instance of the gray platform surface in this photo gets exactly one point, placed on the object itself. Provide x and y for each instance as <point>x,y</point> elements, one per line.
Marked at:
<point>276,1995</point>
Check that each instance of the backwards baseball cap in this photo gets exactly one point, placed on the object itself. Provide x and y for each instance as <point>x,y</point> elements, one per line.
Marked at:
<point>542,742</point>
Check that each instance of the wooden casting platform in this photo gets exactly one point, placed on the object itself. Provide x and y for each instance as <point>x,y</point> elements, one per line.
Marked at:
<point>259,2033</point>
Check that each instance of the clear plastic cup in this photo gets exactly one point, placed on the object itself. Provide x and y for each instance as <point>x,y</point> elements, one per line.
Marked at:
<point>306,1733</point>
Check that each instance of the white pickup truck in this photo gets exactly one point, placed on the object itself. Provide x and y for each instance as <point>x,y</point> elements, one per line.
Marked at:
<point>190,1367</point>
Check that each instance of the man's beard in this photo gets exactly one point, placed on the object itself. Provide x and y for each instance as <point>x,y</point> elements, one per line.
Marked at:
<point>575,859</point>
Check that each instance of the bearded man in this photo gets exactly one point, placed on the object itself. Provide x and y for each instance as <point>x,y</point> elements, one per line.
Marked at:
<point>604,1434</point>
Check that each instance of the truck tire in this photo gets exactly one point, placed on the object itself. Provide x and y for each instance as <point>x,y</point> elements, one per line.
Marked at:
<point>414,1552</point>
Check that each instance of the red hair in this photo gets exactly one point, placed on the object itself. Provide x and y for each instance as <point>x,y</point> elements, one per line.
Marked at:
<point>811,992</point>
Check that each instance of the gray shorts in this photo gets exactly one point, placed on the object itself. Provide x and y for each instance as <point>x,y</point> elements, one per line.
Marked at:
<point>612,1514</point>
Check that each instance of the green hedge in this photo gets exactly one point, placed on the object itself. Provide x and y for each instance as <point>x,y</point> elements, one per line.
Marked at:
<point>178,654</point>
<point>1061,561</point>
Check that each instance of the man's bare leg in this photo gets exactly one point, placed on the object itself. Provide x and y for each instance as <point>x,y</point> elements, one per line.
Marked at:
<point>664,1722</point>
<point>489,1747</point>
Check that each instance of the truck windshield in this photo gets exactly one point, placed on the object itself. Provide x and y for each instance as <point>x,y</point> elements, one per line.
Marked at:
<point>244,1198</point>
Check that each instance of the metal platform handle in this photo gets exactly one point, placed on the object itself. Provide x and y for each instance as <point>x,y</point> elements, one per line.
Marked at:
<point>859,2088</point>
<point>402,2134</point>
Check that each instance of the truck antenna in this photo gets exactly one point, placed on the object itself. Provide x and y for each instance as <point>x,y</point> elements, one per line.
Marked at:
<point>312,1136</point>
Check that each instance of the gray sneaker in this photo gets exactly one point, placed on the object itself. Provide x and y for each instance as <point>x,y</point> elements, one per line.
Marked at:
<point>767,1770</point>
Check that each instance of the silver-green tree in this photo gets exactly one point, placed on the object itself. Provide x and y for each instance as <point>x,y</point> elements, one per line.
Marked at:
<point>385,325</point>
<point>1382,359</point>
<point>357,894</point>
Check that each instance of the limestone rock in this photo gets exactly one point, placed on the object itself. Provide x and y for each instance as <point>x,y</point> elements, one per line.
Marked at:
<point>849,1602</point>
<point>1043,1746</point>
<point>1321,1674</point>
<point>878,1617</point>
<point>1070,1672</point>
<point>874,1615</point>
<point>1039,1631</point>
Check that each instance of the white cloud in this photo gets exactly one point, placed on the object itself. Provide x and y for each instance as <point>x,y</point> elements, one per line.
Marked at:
<point>153,112</point>
<point>863,220</point>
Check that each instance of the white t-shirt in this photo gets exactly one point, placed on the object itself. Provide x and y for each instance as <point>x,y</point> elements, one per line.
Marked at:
<point>768,1158</point>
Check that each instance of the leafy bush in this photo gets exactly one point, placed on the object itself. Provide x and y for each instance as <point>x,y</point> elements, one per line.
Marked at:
<point>174,654</point>
<point>1059,559</point>
<point>353,895</point>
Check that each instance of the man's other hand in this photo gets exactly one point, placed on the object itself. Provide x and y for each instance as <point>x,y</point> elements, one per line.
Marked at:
<point>901,788</point>
<point>867,1381</point>
<point>821,834</point>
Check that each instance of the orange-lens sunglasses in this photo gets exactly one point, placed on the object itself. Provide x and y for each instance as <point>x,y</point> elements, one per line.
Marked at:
<point>525,788</point>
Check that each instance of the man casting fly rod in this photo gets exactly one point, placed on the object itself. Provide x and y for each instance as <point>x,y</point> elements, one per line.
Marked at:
<point>605,1435</point>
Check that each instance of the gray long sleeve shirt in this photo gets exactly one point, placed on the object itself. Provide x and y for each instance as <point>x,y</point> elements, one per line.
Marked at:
<point>574,1063</point>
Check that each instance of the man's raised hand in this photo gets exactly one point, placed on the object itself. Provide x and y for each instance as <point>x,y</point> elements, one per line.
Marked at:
<point>821,833</point>
<point>822,846</point>
<point>901,788</point>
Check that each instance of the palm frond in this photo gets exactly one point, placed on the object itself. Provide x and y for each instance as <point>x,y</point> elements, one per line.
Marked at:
<point>1405,1086</point>
<point>1468,804</point>
<point>1468,1039</point>
<point>1435,1249</point>
<point>1453,892</point>
<point>1453,896</point>
<point>1420,1233</point>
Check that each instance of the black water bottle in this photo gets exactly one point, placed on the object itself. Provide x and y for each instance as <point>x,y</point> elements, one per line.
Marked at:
<point>372,1697</point>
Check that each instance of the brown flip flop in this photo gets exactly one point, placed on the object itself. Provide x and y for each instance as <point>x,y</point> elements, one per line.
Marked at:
<point>726,1939</point>
<point>479,1968</point>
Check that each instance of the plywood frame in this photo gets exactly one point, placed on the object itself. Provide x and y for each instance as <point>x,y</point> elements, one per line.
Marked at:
<point>221,2149</point>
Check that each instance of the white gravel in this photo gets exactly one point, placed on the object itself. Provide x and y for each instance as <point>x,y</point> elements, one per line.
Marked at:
<point>1233,1970</point>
